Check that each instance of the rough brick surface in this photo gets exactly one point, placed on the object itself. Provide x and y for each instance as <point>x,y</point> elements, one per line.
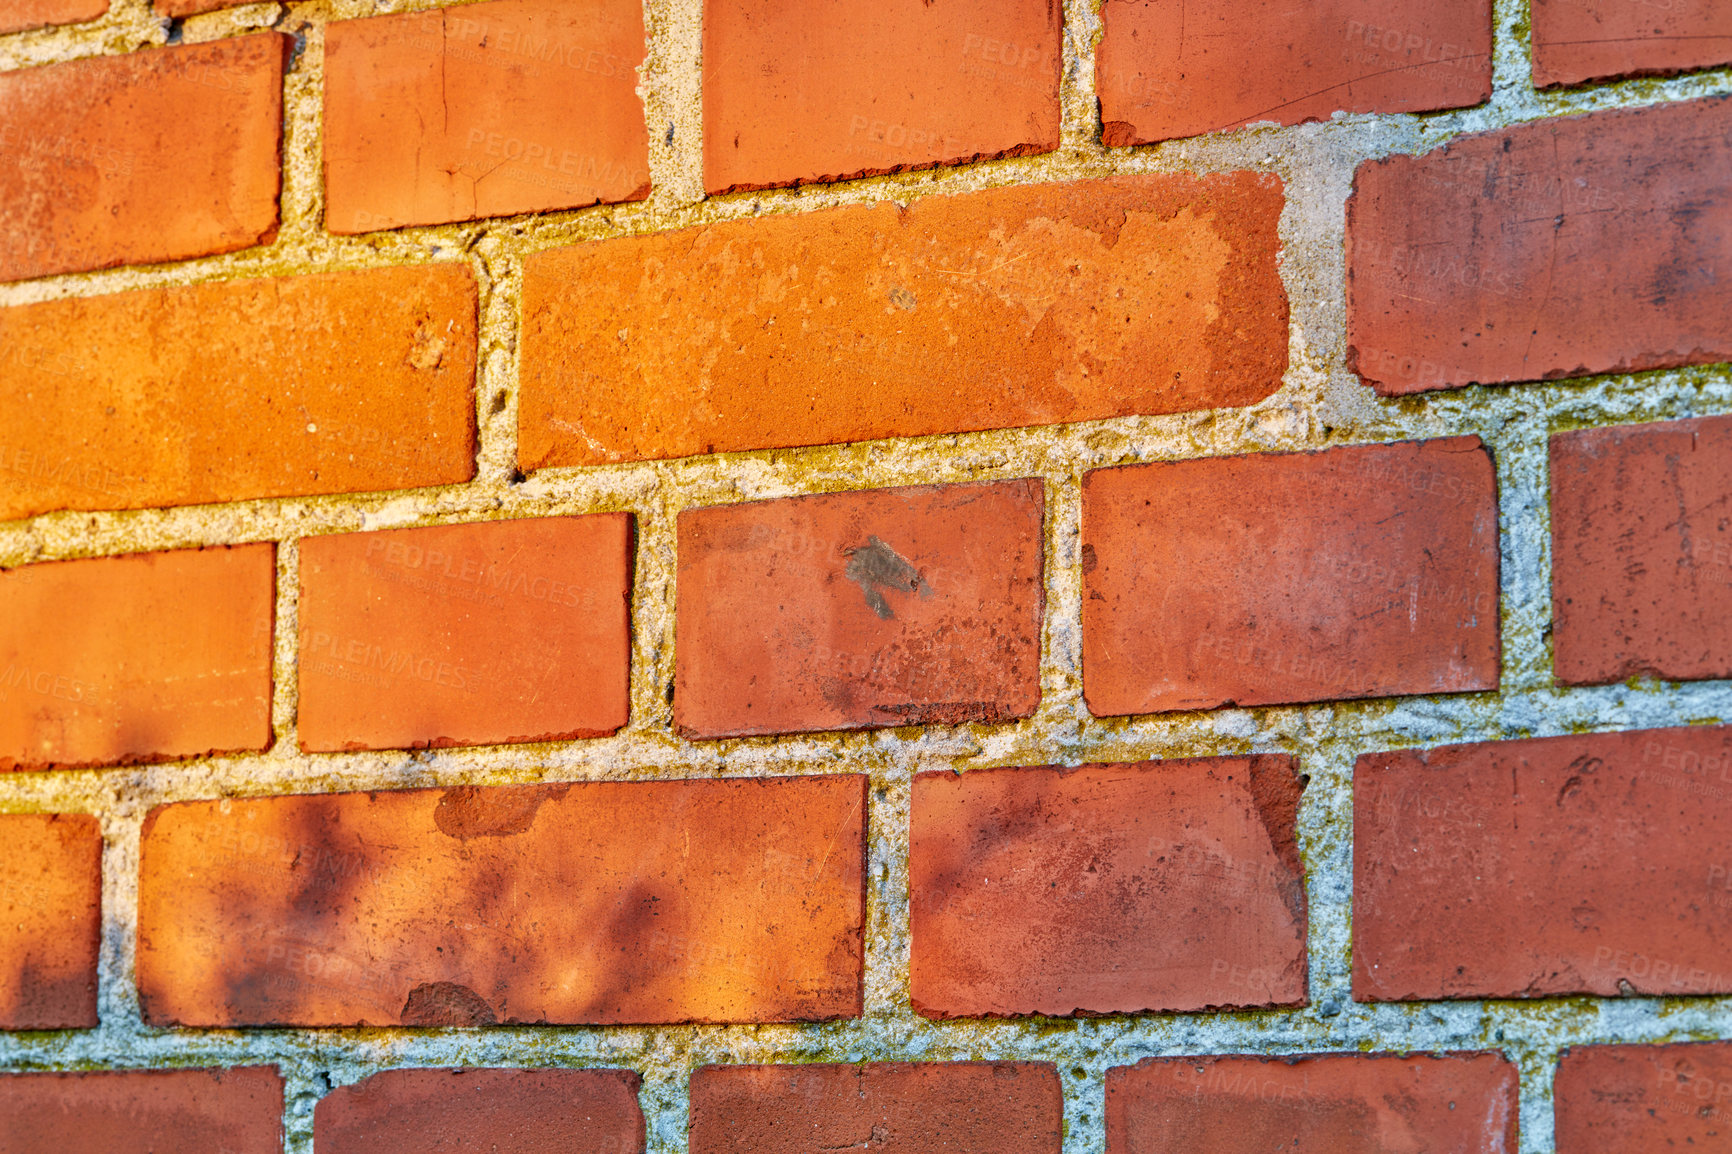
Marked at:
<point>336,383</point>
<point>143,1112</point>
<point>1566,865</point>
<point>1323,1104</point>
<point>854,610</point>
<point>1167,69</point>
<point>154,156</point>
<point>1558,248</point>
<point>797,92</point>
<point>1375,573</point>
<point>1642,551</point>
<point>896,1107</point>
<point>1022,306</point>
<point>615,902</point>
<point>1577,40</point>
<point>498,1111</point>
<point>22,15</point>
<point>1643,1099</point>
<point>483,110</point>
<point>1113,888</point>
<point>143,658</point>
<point>466,634</point>
<point>51,918</point>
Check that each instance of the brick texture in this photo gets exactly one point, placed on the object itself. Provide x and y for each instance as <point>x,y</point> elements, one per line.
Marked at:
<point>1107,889</point>
<point>23,15</point>
<point>1565,865</point>
<point>1323,1104</point>
<point>1553,249</point>
<point>1167,69</point>
<point>499,1111</point>
<point>1642,551</point>
<point>1643,1099</point>
<point>466,634</point>
<point>143,1112</point>
<point>51,912</point>
<point>1577,40</point>
<point>615,902</point>
<point>1375,574</point>
<point>335,383</point>
<point>493,109</point>
<point>1022,306</point>
<point>896,1107</point>
<point>106,180</point>
<point>854,610</point>
<point>150,657</point>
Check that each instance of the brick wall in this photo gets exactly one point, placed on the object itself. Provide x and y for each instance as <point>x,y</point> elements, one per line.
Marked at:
<point>747,575</point>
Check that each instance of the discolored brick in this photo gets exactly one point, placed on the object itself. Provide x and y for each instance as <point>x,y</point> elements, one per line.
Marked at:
<point>1365,571</point>
<point>1019,306</point>
<point>1578,40</point>
<point>1526,869</point>
<point>1643,1099</point>
<point>500,631</point>
<point>238,1111</point>
<point>23,15</point>
<point>593,903</point>
<point>51,912</point>
<point>150,657</point>
<point>916,606</point>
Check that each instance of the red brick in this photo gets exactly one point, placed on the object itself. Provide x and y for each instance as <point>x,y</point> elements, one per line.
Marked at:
<point>918,606</point>
<point>1559,248</point>
<point>51,909</point>
<point>337,383</point>
<point>495,109</point>
<point>592,903</point>
<point>143,1112</point>
<point>1018,306</point>
<point>500,1111</point>
<point>1107,889</point>
<point>499,631</point>
<point>23,15</point>
<point>895,1107</point>
<point>153,156</point>
<point>1642,552</point>
<point>1643,1099</point>
<point>1317,1104</point>
<point>150,657</point>
<point>1525,869</point>
<point>1375,574</point>
<point>1246,61</point>
<point>1577,40</point>
<point>795,93</point>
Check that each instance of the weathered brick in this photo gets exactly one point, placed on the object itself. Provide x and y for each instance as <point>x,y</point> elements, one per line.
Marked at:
<point>594,903</point>
<point>797,92</point>
<point>1316,1104</point>
<point>492,109</point>
<point>1245,61</point>
<point>1577,40</point>
<point>237,1111</point>
<point>1020,306</point>
<point>23,15</point>
<point>499,631</point>
<point>51,911</point>
<point>856,610</point>
<point>153,156</point>
<point>1171,885</point>
<point>1558,248</point>
<point>1642,551</point>
<point>1565,865</point>
<point>150,657</point>
<point>1643,1099</point>
<point>896,1107</point>
<point>1364,571</point>
<point>499,1111</point>
<point>336,383</point>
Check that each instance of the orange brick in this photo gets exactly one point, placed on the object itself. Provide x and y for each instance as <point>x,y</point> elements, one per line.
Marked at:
<point>1019,306</point>
<point>1577,40</point>
<point>23,15</point>
<point>337,383</point>
<point>143,1112</point>
<point>104,180</point>
<point>454,114</point>
<point>466,634</point>
<point>593,903</point>
<point>144,658</point>
<point>51,910</point>
<point>1643,1099</point>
